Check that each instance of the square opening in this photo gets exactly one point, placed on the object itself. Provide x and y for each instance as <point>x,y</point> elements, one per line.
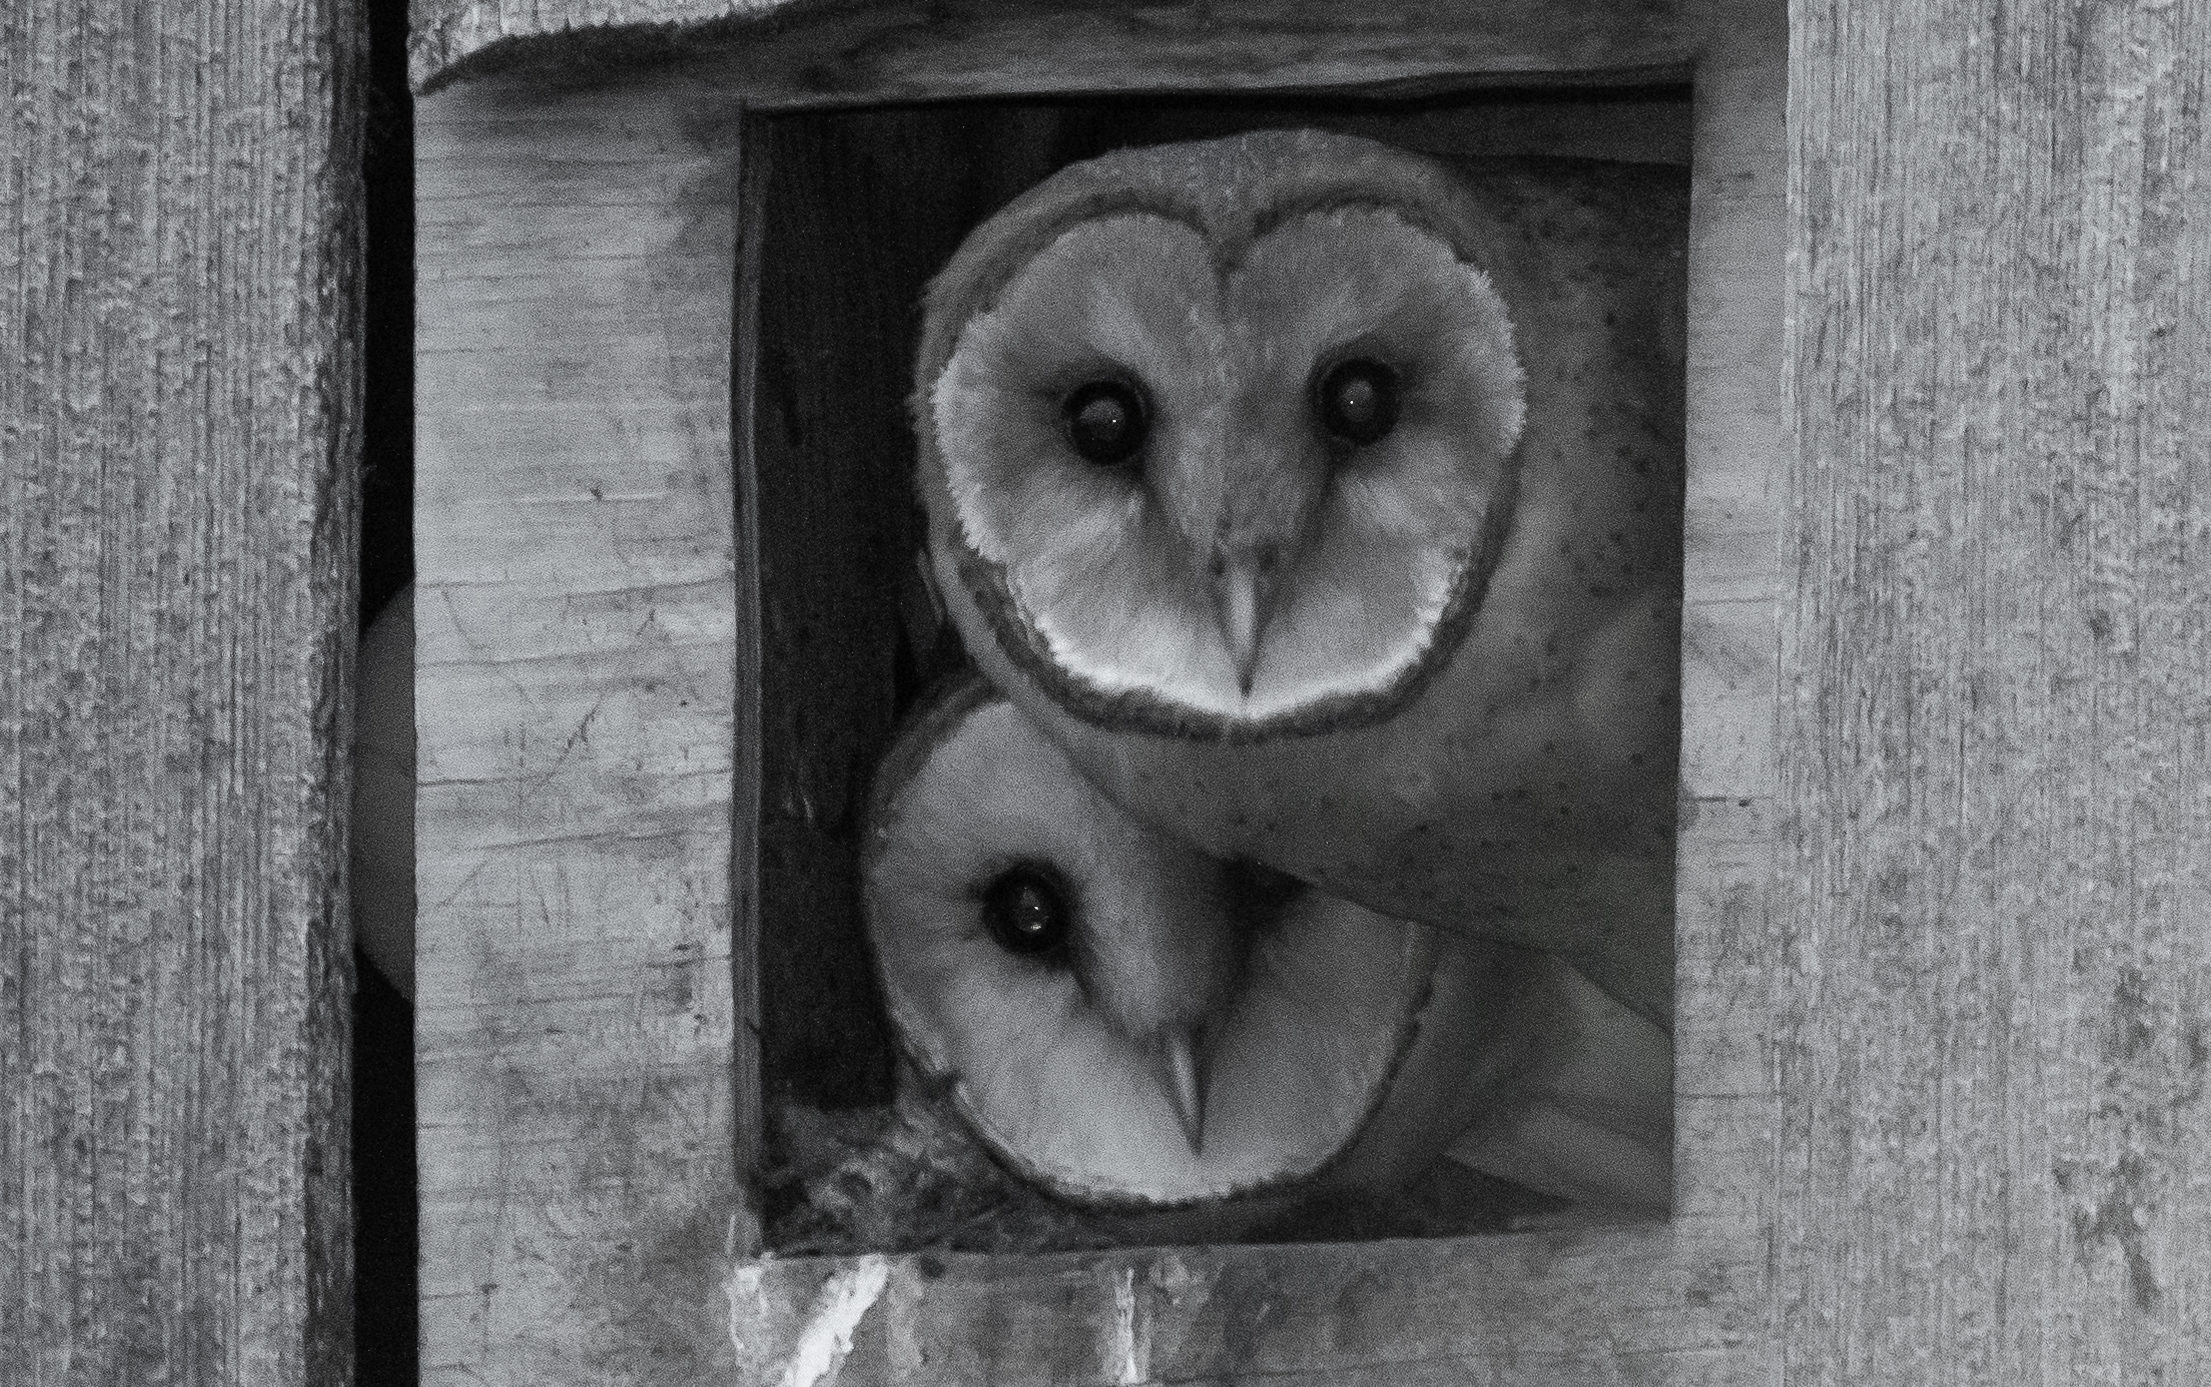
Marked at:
<point>848,216</point>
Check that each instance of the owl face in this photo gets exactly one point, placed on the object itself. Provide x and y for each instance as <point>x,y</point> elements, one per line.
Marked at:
<point>1123,1019</point>
<point>1223,433</point>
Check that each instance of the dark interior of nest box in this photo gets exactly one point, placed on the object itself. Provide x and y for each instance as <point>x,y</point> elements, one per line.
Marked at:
<point>848,215</point>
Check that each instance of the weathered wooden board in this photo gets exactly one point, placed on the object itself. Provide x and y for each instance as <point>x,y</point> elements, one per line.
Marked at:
<point>781,53</point>
<point>577,644</point>
<point>1993,1023</point>
<point>179,306</point>
<point>582,1214</point>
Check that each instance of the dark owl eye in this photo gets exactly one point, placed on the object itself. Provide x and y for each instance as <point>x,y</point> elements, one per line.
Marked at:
<point>1106,421</point>
<point>1357,400</point>
<point>1025,909</point>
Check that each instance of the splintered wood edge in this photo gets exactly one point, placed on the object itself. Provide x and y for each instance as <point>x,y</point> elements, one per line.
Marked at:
<point>583,1044</point>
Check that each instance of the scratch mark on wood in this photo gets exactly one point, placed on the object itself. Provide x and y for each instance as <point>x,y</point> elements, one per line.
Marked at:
<point>837,1311</point>
<point>825,1340</point>
<point>466,882</point>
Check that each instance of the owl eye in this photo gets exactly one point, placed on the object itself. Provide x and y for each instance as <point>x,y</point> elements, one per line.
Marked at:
<point>1357,401</point>
<point>1106,420</point>
<point>1025,909</point>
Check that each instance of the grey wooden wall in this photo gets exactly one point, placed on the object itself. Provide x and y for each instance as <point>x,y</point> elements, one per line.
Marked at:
<point>177,442</point>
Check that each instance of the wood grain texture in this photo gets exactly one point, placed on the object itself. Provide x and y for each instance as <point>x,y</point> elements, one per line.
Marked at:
<point>581,1215</point>
<point>1993,1160</point>
<point>576,646</point>
<point>442,33</point>
<point>179,311</point>
<point>784,54</point>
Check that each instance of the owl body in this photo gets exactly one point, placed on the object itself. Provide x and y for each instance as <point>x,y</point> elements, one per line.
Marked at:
<point>1537,823</point>
<point>1385,596</point>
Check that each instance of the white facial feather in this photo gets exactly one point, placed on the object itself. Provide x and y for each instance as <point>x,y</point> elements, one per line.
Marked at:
<point>1151,956</point>
<point>1106,566</point>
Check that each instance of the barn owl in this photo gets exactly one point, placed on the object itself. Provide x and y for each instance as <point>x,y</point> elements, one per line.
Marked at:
<point>1327,514</point>
<point>1127,1021</point>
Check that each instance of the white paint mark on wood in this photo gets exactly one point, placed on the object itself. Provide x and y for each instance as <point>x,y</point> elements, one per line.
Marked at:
<point>745,1299</point>
<point>1130,1361</point>
<point>844,1301</point>
<point>902,1324</point>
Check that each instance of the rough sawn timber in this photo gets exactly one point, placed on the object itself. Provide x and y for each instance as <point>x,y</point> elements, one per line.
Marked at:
<point>179,310</point>
<point>576,651</point>
<point>1996,1152</point>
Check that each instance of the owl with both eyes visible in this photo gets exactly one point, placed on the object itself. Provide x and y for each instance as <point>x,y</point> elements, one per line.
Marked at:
<point>1324,507</point>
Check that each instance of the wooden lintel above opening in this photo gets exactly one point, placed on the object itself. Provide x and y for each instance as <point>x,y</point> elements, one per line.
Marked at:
<point>794,53</point>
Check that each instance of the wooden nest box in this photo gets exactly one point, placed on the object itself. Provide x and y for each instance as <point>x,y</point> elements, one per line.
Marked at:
<point>669,274</point>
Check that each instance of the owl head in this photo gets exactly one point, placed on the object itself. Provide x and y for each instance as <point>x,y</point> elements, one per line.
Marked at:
<point>1219,437</point>
<point>1127,1021</point>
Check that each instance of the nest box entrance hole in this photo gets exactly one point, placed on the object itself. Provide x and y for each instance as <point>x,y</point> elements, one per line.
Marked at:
<point>845,217</point>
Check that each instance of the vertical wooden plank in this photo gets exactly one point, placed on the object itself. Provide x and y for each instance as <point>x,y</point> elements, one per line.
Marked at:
<point>1993,1160</point>
<point>179,309</point>
<point>576,666</point>
<point>1736,432</point>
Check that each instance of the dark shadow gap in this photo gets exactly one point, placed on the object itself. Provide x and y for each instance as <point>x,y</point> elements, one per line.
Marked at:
<point>384,1186</point>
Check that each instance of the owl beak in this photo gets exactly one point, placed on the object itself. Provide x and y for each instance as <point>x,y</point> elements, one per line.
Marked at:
<point>1241,589</point>
<point>1178,1066</point>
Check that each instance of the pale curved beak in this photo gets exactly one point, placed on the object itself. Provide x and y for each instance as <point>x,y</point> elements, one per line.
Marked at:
<point>1241,590</point>
<point>1185,1084</point>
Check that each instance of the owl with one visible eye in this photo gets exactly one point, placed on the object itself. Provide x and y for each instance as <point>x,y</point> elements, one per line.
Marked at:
<point>1127,1021</point>
<point>1300,493</point>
